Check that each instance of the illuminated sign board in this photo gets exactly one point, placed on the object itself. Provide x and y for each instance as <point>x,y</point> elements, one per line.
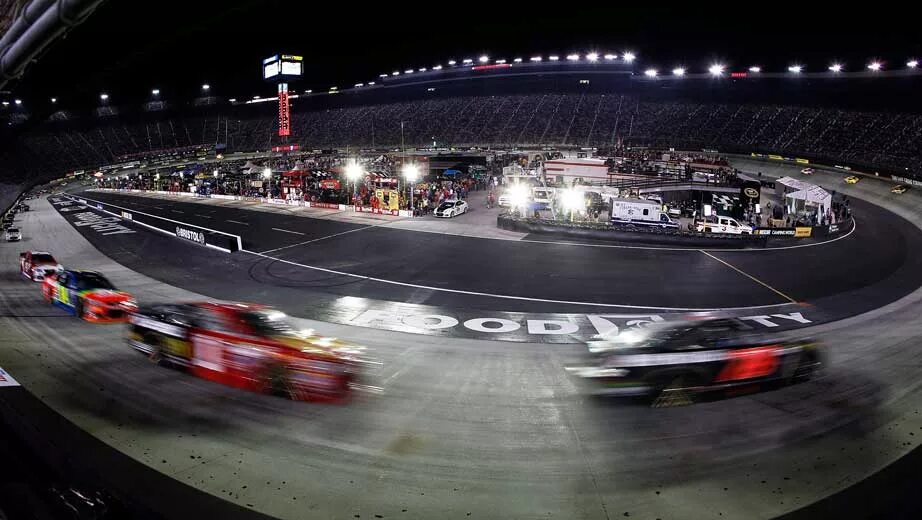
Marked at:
<point>291,68</point>
<point>271,70</point>
<point>286,66</point>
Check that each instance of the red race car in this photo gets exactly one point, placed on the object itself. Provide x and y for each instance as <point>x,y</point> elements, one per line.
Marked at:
<point>34,265</point>
<point>248,346</point>
<point>88,295</point>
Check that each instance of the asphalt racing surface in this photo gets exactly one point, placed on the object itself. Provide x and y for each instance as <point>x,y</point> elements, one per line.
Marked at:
<point>469,272</point>
<point>776,289</point>
<point>461,428</point>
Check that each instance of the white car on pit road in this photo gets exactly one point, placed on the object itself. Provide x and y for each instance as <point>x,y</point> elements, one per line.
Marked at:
<point>726,225</point>
<point>450,208</point>
<point>13,235</point>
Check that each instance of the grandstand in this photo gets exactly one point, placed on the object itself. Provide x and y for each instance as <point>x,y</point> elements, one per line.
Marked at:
<point>620,113</point>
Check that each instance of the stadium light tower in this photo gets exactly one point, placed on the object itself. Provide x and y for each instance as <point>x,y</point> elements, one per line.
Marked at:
<point>483,59</point>
<point>610,57</point>
<point>755,69</point>
<point>678,71</point>
<point>650,73</point>
<point>535,59</point>
<point>206,87</point>
<point>54,100</point>
<point>796,69</point>
<point>875,66</point>
<point>836,67</point>
<point>155,92</point>
<point>912,64</point>
<point>592,56</point>
<point>572,57</point>
<point>104,97</point>
<point>17,101</point>
<point>629,57</point>
<point>716,69</point>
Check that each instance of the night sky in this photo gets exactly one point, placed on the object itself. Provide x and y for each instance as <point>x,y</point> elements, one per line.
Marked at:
<point>125,51</point>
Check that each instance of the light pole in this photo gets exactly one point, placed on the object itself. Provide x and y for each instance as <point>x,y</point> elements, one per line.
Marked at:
<point>411,173</point>
<point>354,171</point>
<point>267,174</point>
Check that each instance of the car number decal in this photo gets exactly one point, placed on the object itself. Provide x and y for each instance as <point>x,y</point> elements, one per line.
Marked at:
<point>750,363</point>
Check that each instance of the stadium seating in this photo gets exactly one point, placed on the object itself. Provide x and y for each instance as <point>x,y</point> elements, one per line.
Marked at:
<point>874,140</point>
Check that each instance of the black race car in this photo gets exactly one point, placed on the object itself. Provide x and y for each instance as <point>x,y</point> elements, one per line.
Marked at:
<point>676,363</point>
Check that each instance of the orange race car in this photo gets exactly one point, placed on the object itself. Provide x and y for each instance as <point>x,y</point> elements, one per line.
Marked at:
<point>88,295</point>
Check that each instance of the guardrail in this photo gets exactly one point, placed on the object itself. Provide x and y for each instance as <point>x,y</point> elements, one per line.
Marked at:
<point>264,200</point>
<point>606,232</point>
<point>212,238</point>
<point>672,236</point>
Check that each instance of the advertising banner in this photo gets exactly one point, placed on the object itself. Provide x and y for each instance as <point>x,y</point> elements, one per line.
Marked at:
<point>803,232</point>
<point>190,234</point>
<point>776,232</point>
<point>325,205</point>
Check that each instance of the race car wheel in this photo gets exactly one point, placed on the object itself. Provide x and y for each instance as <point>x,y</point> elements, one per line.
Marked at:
<point>78,309</point>
<point>807,368</point>
<point>673,391</point>
<point>155,355</point>
<point>275,381</point>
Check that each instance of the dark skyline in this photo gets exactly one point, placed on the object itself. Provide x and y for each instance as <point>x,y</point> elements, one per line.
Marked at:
<point>178,46</point>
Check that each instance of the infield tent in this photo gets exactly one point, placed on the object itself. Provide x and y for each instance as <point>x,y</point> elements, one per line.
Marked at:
<point>807,198</point>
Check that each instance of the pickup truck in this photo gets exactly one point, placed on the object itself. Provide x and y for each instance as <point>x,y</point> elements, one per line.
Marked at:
<point>726,225</point>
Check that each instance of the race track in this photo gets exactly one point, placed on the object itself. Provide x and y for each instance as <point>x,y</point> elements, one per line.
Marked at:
<point>480,429</point>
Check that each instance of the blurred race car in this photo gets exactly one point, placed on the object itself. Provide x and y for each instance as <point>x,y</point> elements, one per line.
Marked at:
<point>13,234</point>
<point>247,346</point>
<point>34,265</point>
<point>807,171</point>
<point>88,295</point>
<point>899,189</point>
<point>675,363</point>
<point>852,179</point>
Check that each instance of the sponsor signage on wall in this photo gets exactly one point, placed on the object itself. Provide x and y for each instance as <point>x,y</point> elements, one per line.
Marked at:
<point>782,232</point>
<point>190,234</point>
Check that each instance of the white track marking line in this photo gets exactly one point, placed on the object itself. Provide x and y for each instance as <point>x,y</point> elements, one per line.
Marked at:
<point>511,297</point>
<point>318,239</point>
<point>753,278</point>
<point>288,231</point>
<point>237,222</point>
<point>175,211</point>
<point>200,215</point>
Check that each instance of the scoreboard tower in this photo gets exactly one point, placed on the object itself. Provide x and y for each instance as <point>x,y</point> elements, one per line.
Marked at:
<point>281,69</point>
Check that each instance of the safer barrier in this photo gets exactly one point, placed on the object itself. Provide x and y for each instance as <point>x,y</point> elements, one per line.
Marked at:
<point>200,235</point>
<point>610,233</point>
